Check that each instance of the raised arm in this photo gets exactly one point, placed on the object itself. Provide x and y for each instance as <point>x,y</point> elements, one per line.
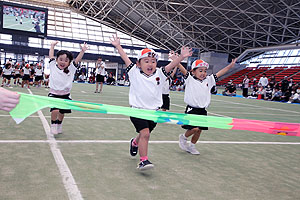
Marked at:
<point>185,52</point>
<point>83,47</point>
<point>51,50</point>
<point>116,42</point>
<point>173,56</point>
<point>226,69</point>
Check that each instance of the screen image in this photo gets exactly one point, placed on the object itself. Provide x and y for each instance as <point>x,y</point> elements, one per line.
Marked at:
<point>23,19</point>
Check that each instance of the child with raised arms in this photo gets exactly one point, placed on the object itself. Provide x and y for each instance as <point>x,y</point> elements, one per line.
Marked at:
<point>62,71</point>
<point>197,96</point>
<point>146,82</point>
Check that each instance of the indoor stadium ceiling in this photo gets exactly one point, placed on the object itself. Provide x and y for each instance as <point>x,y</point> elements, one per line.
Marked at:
<point>227,26</point>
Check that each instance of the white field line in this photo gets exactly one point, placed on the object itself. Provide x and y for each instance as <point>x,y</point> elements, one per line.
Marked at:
<point>152,142</point>
<point>67,177</point>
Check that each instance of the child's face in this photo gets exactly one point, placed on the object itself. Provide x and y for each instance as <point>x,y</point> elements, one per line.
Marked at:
<point>63,61</point>
<point>200,73</point>
<point>147,65</point>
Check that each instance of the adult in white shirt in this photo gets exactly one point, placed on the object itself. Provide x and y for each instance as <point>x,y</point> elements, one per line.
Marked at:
<point>263,81</point>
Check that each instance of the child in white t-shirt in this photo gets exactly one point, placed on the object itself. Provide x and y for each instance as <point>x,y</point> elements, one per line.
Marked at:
<point>100,74</point>
<point>146,83</point>
<point>197,96</point>
<point>7,74</point>
<point>62,71</point>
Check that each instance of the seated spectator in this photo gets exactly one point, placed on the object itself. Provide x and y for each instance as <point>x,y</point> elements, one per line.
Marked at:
<point>92,78</point>
<point>277,95</point>
<point>286,96</point>
<point>253,94</point>
<point>81,78</point>
<point>268,92</point>
<point>295,98</point>
<point>230,89</point>
<point>110,80</point>
<point>260,92</point>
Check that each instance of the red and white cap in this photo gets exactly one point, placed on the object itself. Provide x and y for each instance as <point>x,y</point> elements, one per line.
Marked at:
<point>147,53</point>
<point>199,63</point>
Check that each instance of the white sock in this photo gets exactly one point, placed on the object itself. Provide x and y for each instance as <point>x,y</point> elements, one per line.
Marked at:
<point>192,145</point>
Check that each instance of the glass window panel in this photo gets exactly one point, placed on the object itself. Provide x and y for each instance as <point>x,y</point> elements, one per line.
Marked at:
<point>67,29</point>
<point>59,23</point>
<point>51,17</point>
<point>59,28</point>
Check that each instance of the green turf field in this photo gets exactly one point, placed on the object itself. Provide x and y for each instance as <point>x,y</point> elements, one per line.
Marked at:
<point>233,164</point>
<point>11,23</point>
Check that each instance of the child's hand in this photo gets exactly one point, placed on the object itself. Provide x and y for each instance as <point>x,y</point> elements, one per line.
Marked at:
<point>173,55</point>
<point>54,43</point>
<point>84,47</point>
<point>186,52</point>
<point>115,40</point>
<point>234,60</point>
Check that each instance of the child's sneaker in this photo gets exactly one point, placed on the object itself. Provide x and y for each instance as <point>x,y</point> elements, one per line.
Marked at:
<point>183,142</point>
<point>191,149</point>
<point>133,149</point>
<point>59,128</point>
<point>53,129</point>
<point>145,165</point>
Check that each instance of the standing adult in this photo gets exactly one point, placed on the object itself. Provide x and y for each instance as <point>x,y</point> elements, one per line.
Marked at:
<point>100,74</point>
<point>245,86</point>
<point>263,81</point>
<point>284,84</point>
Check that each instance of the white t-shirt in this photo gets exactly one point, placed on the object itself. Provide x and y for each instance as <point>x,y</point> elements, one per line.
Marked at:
<point>146,91</point>
<point>26,71</point>
<point>263,81</point>
<point>38,72</point>
<point>197,93</point>
<point>166,86</point>
<point>60,83</point>
<point>101,70</point>
<point>7,71</point>
<point>17,71</point>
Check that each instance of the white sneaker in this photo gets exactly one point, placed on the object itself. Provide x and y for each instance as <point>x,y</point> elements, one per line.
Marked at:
<point>183,142</point>
<point>59,128</point>
<point>191,149</point>
<point>53,129</point>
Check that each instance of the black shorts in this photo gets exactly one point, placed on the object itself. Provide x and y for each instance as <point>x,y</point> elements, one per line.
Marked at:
<point>17,76</point>
<point>100,78</point>
<point>8,77</point>
<point>25,77</point>
<point>62,111</point>
<point>38,78</point>
<point>195,111</point>
<point>166,102</point>
<point>140,124</point>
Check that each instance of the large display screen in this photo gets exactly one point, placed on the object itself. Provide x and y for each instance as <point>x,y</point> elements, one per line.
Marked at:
<point>18,19</point>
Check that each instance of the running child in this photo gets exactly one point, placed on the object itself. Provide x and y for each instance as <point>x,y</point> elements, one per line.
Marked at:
<point>38,75</point>
<point>7,74</point>
<point>25,75</point>
<point>17,74</point>
<point>62,71</point>
<point>197,96</point>
<point>145,93</point>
